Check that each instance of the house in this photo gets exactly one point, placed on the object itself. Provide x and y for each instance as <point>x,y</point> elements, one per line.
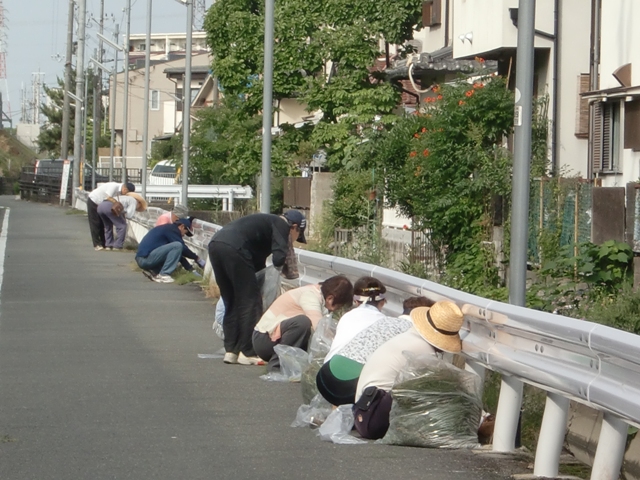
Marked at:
<point>165,102</point>
<point>164,46</point>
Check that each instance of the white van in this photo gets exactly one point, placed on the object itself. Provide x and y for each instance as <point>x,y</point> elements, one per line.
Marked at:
<point>163,173</point>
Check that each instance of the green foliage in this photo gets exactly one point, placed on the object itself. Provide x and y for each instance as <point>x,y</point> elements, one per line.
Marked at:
<point>620,310</point>
<point>323,55</point>
<point>607,266</point>
<point>50,137</point>
<point>354,200</point>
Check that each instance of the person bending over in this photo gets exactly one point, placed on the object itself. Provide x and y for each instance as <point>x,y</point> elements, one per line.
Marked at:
<point>162,248</point>
<point>239,250</point>
<point>294,315</point>
<point>434,330</point>
<point>132,203</point>
<point>106,191</point>
<point>334,380</point>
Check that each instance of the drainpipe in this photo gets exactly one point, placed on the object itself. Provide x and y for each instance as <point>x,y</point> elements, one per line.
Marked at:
<point>554,100</point>
<point>446,23</point>
<point>594,80</point>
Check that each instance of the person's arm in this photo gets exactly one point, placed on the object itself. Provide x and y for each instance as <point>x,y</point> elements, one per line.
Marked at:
<point>112,189</point>
<point>279,242</point>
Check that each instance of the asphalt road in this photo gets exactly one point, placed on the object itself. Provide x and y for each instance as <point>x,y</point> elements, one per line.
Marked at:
<point>100,379</point>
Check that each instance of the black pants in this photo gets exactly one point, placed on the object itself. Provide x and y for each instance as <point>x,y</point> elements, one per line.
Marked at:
<point>295,332</point>
<point>95,224</point>
<point>236,278</point>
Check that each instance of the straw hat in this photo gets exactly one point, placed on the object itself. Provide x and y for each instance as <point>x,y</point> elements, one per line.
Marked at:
<point>439,325</point>
<point>142,203</point>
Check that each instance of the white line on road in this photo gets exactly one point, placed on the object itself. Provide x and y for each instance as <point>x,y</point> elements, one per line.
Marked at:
<point>3,243</point>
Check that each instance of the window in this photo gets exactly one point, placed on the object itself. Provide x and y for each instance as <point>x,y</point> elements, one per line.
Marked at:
<point>431,13</point>
<point>606,136</point>
<point>155,100</point>
<point>142,47</point>
<point>179,101</point>
<point>632,125</point>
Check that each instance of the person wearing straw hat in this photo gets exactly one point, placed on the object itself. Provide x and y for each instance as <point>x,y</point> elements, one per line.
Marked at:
<point>132,203</point>
<point>434,330</point>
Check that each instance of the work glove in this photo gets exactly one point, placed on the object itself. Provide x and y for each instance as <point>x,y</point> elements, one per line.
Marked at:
<point>201,263</point>
<point>196,273</point>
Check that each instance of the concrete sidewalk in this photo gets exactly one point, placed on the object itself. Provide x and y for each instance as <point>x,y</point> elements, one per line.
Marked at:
<point>100,379</point>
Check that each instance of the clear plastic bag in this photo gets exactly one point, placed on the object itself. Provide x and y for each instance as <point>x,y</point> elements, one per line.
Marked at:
<point>293,361</point>
<point>435,405</point>
<point>313,414</point>
<point>217,324</point>
<point>323,337</point>
<point>337,426</point>
<point>269,281</point>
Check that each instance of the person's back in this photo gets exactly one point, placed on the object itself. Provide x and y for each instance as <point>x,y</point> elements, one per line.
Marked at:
<point>157,237</point>
<point>257,235</point>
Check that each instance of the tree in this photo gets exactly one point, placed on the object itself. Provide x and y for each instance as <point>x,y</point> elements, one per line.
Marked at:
<point>324,55</point>
<point>50,138</point>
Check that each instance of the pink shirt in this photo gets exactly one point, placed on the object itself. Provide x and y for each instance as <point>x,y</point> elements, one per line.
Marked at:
<point>164,219</point>
<point>307,300</point>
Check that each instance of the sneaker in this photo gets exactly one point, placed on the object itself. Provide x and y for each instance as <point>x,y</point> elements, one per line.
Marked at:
<point>97,248</point>
<point>108,248</point>
<point>160,278</point>
<point>230,358</point>
<point>148,274</point>
<point>244,360</point>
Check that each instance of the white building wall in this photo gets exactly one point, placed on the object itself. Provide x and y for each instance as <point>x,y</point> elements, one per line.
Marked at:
<point>619,38</point>
<point>575,32</point>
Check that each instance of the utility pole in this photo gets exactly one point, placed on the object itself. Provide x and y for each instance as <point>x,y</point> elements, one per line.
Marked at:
<point>112,107</point>
<point>510,401</point>
<point>186,107</point>
<point>145,120</point>
<point>125,124</point>
<point>97,112</point>
<point>66,109</point>
<point>77,137</point>
<point>267,107</point>
<point>97,95</point>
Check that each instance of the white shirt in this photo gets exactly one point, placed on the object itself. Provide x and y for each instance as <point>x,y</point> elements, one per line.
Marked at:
<point>129,203</point>
<point>104,191</point>
<point>307,300</point>
<point>351,324</point>
<point>384,365</point>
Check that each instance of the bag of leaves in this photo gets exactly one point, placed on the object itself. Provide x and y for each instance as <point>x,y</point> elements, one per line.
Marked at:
<point>293,361</point>
<point>435,405</point>
<point>319,346</point>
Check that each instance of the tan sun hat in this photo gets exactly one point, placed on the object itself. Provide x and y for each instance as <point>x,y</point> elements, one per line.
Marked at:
<point>440,325</point>
<point>142,203</point>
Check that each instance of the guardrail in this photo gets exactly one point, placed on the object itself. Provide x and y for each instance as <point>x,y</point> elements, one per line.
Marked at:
<point>573,359</point>
<point>228,193</point>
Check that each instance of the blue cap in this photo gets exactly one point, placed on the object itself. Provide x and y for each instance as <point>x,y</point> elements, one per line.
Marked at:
<point>295,217</point>
<point>187,223</point>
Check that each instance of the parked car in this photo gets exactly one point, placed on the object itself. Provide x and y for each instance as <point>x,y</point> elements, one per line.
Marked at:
<point>54,168</point>
<point>163,173</point>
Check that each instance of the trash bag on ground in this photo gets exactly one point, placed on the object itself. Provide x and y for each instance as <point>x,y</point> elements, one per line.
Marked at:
<point>314,414</point>
<point>322,337</point>
<point>269,281</point>
<point>308,386</point>
<point>217,324</point>
<point>435,405</point>
<point>293,361</point>
<point>337,426</point>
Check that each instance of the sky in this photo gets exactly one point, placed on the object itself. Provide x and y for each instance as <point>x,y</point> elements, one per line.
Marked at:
<point>35,32</point>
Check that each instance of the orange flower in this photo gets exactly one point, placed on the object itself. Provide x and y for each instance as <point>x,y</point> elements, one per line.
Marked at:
<point>416,135</point>
<point>479,60</point>
<point>469,93</point>
<point>478,85</point>
<point>424,129</point>
<point>413,154</point>
<point>425,153</point>
<point>461,102</point>
<point>435,88</point>
<point>439,97</point>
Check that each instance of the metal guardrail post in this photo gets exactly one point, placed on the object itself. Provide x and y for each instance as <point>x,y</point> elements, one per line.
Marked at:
<point>552,432</point>
<point>508,414</point>
<point>611,447</point>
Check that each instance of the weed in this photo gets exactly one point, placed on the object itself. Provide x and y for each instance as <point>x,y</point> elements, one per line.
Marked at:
<point>75,211</point>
